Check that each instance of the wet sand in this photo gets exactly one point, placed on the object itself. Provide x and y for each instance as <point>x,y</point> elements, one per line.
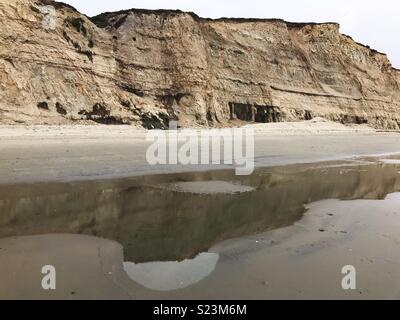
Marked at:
<point>207,187</point>
<point>288,238</point>
<point>85,200</point>
<point>297,262</point>
<point>85,267</point>
<point>304,261</point>
<point>68,153</point>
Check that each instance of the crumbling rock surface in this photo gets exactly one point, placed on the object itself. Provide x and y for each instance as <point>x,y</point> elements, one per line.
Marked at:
<point>145,68</point>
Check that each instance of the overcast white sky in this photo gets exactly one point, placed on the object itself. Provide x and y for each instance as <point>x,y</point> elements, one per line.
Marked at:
<point>374,23</point>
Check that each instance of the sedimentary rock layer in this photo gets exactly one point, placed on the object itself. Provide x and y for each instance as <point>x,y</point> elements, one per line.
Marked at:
<point>147,67</point>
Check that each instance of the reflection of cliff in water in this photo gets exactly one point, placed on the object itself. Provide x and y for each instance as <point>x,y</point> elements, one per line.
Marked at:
<point>154,223</point>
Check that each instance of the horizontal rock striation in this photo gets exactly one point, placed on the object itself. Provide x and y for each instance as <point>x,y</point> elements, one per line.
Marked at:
<point>144,68</point>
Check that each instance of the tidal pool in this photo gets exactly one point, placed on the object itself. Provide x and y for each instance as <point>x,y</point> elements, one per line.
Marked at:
<point>203,235</point>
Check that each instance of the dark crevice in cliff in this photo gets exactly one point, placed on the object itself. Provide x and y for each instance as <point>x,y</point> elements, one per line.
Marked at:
<point>100,114</point>
<point>169,99</point>
<point>254,113</point>
<point>60,109</point>
<point>78,24</point>
<point>351,119</point>
<point>43,105</point>
<point>265,114</point>
<point>154,122</point>
<point>131,89</point>
<point>89,54</point>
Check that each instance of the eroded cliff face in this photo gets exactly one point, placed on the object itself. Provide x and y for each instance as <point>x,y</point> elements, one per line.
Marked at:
<point>147,67</point>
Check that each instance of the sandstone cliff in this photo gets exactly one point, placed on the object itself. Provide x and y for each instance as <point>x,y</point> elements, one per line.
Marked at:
<point>145,67</point>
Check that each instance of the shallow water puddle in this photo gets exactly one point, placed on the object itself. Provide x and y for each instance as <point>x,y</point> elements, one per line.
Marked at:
<point>172,228</point>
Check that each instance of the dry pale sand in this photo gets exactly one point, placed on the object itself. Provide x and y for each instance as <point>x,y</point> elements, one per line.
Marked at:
<point>45,153</point>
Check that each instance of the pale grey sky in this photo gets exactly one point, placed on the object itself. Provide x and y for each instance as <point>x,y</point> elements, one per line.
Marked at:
<point>371,22</point>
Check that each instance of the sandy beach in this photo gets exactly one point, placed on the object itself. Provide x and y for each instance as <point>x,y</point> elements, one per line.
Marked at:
<point>67,153</point>
<point>323,195</point>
